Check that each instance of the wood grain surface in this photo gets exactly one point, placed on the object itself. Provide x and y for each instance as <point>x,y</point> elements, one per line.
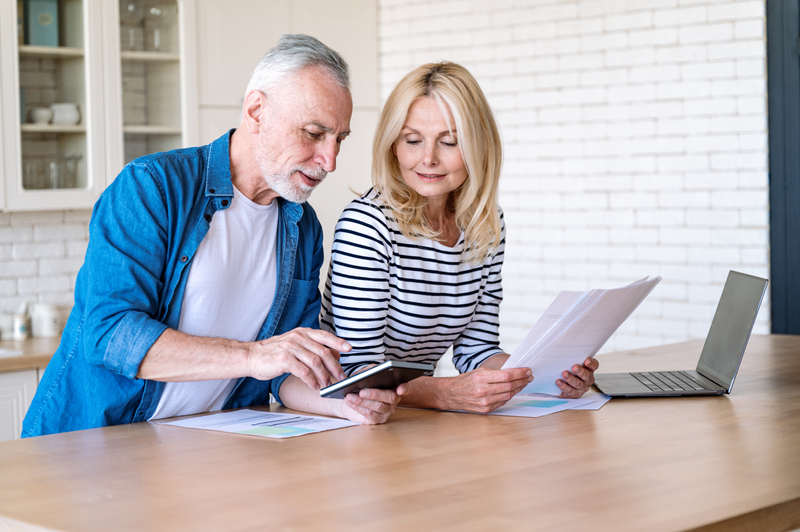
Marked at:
<point>705,463</point>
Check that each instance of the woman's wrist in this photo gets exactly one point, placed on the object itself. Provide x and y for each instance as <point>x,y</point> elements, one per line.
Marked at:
<point>427,392</point>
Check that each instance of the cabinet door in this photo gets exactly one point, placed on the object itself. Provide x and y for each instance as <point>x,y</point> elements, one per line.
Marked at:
<point>150,69</point>
<point>214,121</point>
<point>232,37</point>
<point>351,28</point>
<point>53,105</point>
<point>16,393</point>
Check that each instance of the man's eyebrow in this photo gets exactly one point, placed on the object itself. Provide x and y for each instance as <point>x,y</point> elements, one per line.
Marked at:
<point>328,129</point>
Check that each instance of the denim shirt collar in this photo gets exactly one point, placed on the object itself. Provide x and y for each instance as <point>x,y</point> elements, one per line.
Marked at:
<point>218,179</point>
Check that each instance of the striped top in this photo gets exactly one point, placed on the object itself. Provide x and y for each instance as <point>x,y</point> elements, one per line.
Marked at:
<point>398,298</point>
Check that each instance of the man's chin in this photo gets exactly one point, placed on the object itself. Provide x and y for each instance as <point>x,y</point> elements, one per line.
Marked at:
<point>298,195</point>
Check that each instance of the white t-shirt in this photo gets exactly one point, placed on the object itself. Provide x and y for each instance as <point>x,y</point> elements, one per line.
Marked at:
<point>228,294</point>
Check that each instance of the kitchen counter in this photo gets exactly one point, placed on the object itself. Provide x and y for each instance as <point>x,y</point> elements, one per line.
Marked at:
<point>36,353</point>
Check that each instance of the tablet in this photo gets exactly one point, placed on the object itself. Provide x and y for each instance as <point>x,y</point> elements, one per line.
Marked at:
<point>386,376</point>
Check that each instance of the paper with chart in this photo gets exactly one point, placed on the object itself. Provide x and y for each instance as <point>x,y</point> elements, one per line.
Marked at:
<point>538,404</point>
<point>573,328</point>
<point>267,424</point>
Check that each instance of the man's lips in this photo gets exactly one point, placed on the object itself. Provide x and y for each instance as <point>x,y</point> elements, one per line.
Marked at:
<point>309,180</point>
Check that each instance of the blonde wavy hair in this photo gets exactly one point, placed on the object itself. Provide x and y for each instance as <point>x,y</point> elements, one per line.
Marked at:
<point>475,201</point>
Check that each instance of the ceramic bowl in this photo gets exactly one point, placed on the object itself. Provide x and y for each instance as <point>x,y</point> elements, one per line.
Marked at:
<point>40,115</point>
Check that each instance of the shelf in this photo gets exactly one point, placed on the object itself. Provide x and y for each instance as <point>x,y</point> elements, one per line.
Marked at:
<point>152,130</point>
<point>49,51</point>
<point>50,128</point>
<point>161,57</point>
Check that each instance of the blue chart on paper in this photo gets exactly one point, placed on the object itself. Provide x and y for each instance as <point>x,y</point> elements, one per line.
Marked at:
<point>543,403</point>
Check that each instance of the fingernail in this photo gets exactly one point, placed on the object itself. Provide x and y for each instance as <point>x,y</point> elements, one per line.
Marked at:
<point>529,373</point>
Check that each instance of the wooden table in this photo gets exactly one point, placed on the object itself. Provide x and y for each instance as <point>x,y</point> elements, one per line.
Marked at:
<point>711,463</point>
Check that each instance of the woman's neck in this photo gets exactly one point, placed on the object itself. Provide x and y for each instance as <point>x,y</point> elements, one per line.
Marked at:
<point>442,220</point>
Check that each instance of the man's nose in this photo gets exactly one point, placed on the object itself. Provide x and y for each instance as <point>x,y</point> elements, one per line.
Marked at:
<point>326,155</point>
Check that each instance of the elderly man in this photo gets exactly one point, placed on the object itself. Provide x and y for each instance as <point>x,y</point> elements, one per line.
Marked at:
<point>199,287</point>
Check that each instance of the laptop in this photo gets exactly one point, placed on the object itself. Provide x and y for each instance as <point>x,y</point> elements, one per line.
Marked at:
<point>722,352</point>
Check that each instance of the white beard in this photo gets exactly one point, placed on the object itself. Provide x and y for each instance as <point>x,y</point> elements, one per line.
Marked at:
<point>280,179</point>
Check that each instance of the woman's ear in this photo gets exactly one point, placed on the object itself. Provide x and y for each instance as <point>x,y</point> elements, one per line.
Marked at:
<point>253,110</point>
<point>394,148</point>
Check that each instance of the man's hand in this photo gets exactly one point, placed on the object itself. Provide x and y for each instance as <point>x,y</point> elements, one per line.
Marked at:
<point>578,382</point>
<point>483,390</point>
<point>310,354</point>
<point>370,406</point>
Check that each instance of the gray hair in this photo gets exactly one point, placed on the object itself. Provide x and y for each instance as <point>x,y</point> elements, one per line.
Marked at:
<point>293,53</point>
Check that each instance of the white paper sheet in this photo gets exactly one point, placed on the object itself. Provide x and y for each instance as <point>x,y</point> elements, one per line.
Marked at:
<point>573,328</point>
<point>266,424</point>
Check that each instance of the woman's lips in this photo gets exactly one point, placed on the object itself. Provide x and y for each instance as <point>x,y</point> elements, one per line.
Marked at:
<point>431,178</point>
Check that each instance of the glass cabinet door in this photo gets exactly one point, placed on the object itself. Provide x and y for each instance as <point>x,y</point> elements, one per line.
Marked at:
<point>150,71</point>
<point>52,103</point>
<point>52,94</point>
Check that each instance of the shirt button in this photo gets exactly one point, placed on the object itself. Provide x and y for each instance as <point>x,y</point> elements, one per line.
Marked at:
<point>184,258</point>
<point>212,190</point>
<point>224,203</point>
<point>208,217</point>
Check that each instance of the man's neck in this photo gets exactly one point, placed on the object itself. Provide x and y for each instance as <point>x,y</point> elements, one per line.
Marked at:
<point>245,173</point>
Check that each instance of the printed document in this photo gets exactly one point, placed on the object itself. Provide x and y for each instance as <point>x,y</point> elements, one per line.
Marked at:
<point>538,404</point>
<point>573,328</point>
<point>267,424</point>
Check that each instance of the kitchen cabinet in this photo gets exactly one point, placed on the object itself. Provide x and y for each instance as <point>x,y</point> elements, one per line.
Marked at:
<point>123,81</point>
<point>19,378</point>
<point>16,393</point>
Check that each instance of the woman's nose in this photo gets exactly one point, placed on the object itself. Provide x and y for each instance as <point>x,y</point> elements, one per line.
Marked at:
<point>430,155</point>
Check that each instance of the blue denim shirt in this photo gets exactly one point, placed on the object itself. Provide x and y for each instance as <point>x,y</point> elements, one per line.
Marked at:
<point>144,232</point>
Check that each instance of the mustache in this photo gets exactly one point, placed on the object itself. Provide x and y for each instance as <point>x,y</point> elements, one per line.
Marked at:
<point>316,173</point>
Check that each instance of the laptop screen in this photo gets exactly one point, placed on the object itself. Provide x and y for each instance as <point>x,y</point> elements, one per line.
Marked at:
<point>731,326</point>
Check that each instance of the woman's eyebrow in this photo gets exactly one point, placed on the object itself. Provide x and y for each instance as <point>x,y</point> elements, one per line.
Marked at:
<point>441,134</point>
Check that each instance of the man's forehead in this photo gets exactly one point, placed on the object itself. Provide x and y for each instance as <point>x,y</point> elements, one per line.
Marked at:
<point>314,97</point>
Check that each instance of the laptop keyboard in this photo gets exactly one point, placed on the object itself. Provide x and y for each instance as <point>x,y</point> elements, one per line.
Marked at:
<point>670,381</point>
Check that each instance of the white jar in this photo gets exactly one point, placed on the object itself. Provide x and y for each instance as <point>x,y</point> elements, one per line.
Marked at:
<point>65,113</point>
<point>44,320</point>
<point>20,325</point>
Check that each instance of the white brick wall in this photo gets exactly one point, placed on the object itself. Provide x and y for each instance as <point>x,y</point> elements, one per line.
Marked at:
<point>40,255</point>
<point>636,144</point>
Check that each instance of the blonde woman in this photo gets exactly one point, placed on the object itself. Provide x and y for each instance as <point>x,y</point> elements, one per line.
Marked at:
<point>416,261</point>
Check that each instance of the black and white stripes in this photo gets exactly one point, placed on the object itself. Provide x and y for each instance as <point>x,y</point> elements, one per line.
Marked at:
<point>398,298</point>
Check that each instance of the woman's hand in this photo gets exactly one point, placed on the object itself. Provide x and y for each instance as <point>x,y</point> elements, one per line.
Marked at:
<point>370,406</point>
<point>578,382</point>
<point>485,390</point>
<point>480,391</point>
